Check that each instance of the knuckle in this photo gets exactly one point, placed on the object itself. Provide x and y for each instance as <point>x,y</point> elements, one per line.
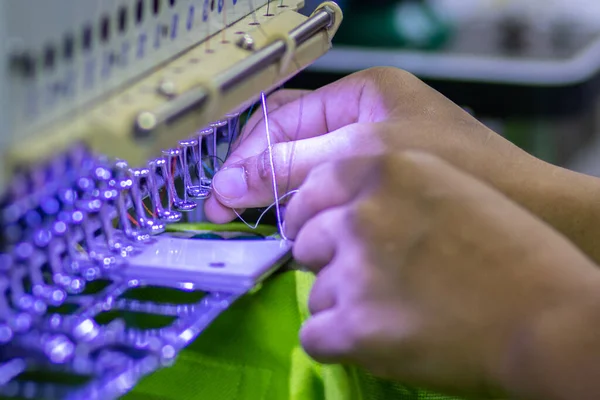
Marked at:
<point>274,160</point>
<point>409,168</point>
<point>264,169</point>
<point>402,161</point>
<point>365,217</point>
<point>352,215</point>
<point>423,177</point>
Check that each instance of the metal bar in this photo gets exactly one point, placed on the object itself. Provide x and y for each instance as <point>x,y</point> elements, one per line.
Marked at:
<point>148,122</point>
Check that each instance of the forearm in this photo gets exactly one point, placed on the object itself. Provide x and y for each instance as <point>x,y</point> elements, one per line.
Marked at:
<point>566,200</point>
<point>559,358</point>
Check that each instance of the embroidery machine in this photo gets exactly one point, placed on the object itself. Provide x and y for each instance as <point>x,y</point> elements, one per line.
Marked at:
<point>113,114</point>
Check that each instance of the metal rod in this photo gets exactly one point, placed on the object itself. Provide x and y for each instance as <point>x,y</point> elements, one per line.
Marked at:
<point>193,99</point>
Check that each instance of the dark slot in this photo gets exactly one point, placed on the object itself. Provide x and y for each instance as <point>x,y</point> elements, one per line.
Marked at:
<point>122,19</point>
<point>95,287</point>
<point>156,7</point>
<point>54,377</point>
<point>139,12</point>
<point>69,47</point>
<point>87,38</point>
<point>163,295</point>
<point>135,320</point>
<point>49,57</point>
<point>64,309</point>
<point>105,29</point>
<point>23,65</point>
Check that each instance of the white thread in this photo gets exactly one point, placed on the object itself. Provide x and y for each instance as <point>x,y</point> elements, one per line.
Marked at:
<point>263,98</point>
<point>264,212</point>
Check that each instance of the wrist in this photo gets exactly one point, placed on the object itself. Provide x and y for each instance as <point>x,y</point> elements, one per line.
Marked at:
<point>555,355</point>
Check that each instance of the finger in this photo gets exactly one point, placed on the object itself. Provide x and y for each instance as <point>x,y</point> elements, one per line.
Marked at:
<point>249,183</point>
<point>323,294</point>
<point>328,186</point>
<point>324,339</point>
<point>364,97</point>
<point>317,242</point>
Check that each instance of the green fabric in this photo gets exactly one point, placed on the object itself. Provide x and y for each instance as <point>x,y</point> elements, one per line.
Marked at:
<point>252,352</point>
<point>264,230</point>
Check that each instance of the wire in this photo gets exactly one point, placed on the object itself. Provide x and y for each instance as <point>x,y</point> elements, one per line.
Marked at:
<point>148,210</point>
<point>132,220</point>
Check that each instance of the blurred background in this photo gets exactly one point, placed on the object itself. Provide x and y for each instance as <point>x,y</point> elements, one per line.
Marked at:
<point>529,69</point>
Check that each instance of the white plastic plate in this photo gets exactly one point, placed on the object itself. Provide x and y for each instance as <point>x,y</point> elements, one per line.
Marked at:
<point>208,265</point>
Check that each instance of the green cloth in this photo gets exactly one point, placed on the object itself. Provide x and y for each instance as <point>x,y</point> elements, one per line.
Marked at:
<point>252,352</point>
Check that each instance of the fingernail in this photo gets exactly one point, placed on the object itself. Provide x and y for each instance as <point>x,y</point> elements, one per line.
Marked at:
<point>230,183</point>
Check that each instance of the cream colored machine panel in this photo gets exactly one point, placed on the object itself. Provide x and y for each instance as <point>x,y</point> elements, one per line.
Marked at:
<point>65,53</point>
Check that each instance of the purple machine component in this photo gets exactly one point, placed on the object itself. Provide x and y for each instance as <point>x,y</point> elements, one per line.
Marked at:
<point>81,232</point>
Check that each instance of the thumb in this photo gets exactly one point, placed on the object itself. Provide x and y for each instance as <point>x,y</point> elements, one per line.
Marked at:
<point>249,183</point>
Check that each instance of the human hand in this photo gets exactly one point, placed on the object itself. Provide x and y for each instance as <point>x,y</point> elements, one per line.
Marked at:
<point>368,113</point>
<point>424,274</point>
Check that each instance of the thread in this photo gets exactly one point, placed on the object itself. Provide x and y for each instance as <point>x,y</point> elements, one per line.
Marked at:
<point>260,217</point>
<point>272,164</point>
<point>242,137</point>
<point>276,196</point>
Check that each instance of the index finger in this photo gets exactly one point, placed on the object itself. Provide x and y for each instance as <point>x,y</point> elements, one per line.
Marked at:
<point>328,186</point>
<point>368,96</point>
